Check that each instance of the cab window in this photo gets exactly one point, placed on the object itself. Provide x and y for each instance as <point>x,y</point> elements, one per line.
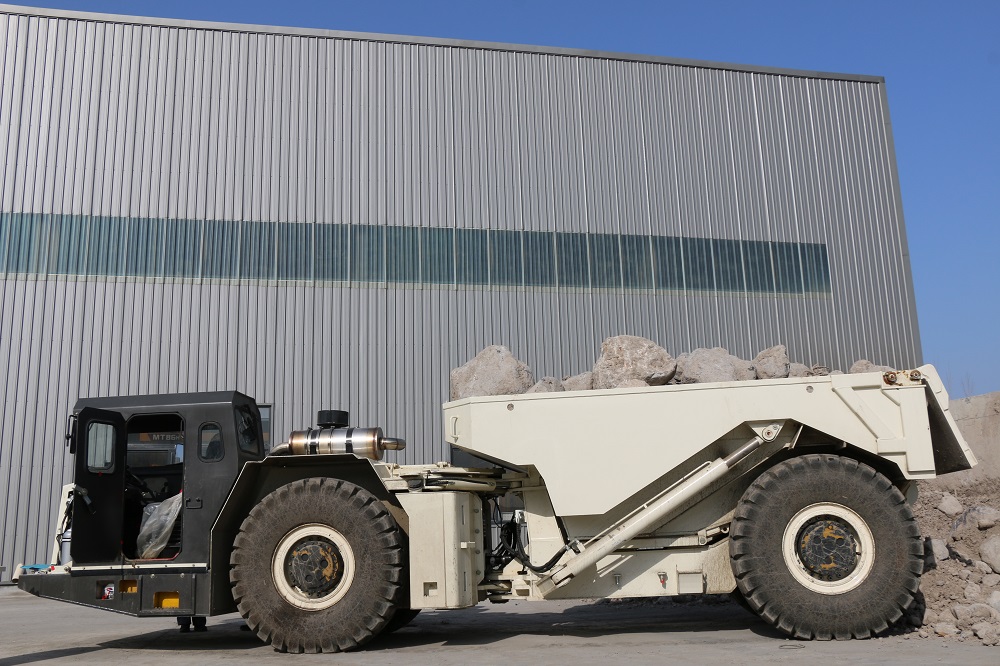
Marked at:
<point>155,440</point>
<point>155,453</point>
<point>210,446</point>
<point>248,429</point>
<point>101,447</point>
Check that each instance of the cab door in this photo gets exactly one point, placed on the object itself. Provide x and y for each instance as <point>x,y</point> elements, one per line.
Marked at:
<point>100,439</point>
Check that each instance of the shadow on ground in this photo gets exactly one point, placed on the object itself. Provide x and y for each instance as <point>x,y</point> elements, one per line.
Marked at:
<point>480,625</point>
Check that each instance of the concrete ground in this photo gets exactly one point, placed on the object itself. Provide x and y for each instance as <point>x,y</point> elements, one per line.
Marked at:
<point>35,631</point>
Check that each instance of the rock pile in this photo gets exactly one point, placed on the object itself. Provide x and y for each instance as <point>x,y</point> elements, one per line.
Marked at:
<point>494,371</point>
<point>631,361</point>
<point>961,583</point>
<point>627,358</point>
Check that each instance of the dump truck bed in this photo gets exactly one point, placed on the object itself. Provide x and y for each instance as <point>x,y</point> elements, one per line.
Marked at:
<point>620,440</point>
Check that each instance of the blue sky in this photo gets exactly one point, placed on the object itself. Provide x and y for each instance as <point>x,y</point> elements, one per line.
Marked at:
<point>941,62</point>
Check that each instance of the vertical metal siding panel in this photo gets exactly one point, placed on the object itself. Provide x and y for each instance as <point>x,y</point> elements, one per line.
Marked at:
<point>806,312</point>
<point>16,405</point>
<point>64,101</point>
<point>893,336</point>
<point>825,211</point>
<point>194,115</point>
<point>129,100</point>
<point>149,94</point>
<point>9,45</point>
<point>41,117</point>
<point>20,90</point>
<point>874,213</point>
<point>47,474</point>
<point>857,301</point>
<point>165,201</point>
<point>96,120</point>
<point>72,198</point>
<point>859,174</point>
<point>21,114</point>
<point>111,198</point>
<point>842,253</point>
<point>209,170</point>
<point>7,448</point>
<point>232,65</point>
<point>913,352</point>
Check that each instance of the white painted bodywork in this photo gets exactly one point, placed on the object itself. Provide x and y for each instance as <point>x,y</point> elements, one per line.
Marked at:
<point>594,449</point>
<point>585,464</point>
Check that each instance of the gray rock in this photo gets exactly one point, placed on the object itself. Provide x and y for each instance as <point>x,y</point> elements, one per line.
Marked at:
<point>715,365</point>
<point>968,614</point>
<point>982,567</point>
<point>989,552</point>
<point>743,370</point>
<point>799,370</point>
<point>984,631</point>
<point>960,553</point>
<point>991,580</point>
<point>625,357</point>
<point>581,382</point>
<point>977,517</point>
<point>546,385</point>
<point>949,505</point>
<point>865,365</point>
<point>994,600</point>
<point>823,371</point>
<point>772,363</point>
<point>633,383</point>
<point>973,592</point>
<point>494,371</point>
<point>940,549</point>
<point>945,629</point>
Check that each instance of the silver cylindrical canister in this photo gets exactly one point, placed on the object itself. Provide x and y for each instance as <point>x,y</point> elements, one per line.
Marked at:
<point>364,442</point>
<point>65,543</point>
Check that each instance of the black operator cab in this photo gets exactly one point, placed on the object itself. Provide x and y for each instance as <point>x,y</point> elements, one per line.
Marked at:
<point>152,474</point>
<point>166,487</point>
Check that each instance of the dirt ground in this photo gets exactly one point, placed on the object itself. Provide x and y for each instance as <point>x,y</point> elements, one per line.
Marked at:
<point>960,592</point>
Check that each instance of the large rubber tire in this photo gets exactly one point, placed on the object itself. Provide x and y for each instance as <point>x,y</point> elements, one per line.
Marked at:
<point>825,547</point>
<point>348,583</point>
<point>400,619</point>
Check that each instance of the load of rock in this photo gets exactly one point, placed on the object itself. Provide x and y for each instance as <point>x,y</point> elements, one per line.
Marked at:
<point>629,361</point>
<point>494,371</point>
<point>960,587</point>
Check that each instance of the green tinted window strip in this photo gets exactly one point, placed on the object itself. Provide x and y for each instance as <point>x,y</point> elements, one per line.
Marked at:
<point>37,244</point>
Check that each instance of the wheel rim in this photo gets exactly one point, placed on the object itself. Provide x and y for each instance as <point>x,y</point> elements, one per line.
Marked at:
<point>828,548</point>
<point>313,567</point>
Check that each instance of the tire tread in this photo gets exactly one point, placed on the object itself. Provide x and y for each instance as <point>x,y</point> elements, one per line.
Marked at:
<point>349,505</point>
<point>755,575</point>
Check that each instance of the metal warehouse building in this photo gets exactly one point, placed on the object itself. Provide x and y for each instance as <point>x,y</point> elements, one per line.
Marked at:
<point>333,220</point>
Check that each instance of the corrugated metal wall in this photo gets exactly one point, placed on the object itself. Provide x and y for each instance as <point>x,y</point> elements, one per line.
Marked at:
<point>123,119</point>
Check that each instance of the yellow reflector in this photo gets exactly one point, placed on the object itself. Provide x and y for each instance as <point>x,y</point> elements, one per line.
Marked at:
<point>166,600</point>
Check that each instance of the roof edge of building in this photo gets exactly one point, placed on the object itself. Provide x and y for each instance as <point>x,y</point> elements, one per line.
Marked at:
<point>21,10</point>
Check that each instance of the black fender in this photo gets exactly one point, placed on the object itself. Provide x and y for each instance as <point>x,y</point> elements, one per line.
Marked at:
<point>259,478</point>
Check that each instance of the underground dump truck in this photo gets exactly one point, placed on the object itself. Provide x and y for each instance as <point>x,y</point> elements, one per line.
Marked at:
<point>791,493</point>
